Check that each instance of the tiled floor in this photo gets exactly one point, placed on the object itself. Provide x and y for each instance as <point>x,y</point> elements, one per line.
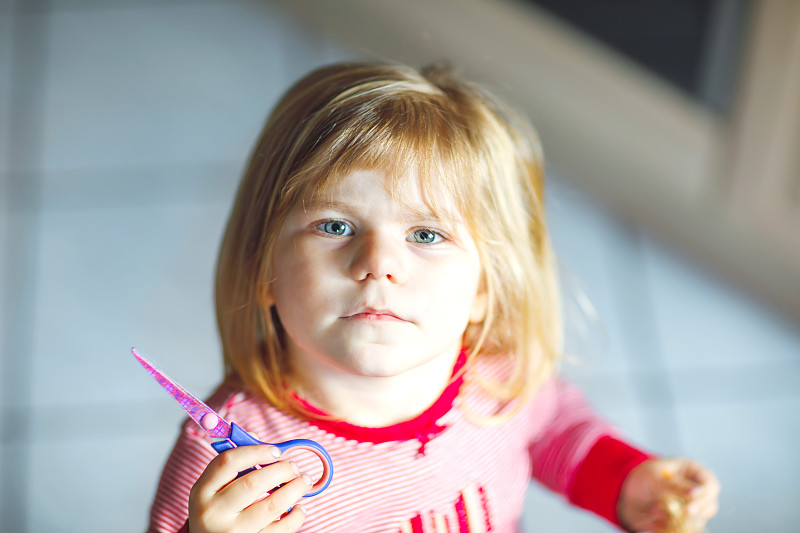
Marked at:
<point>123,129</point>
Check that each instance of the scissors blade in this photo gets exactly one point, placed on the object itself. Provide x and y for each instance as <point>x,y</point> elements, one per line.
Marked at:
<point>197,410</point>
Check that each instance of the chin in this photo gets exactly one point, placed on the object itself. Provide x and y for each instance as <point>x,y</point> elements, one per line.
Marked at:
<point>373,370</point>
<point>379,364</point>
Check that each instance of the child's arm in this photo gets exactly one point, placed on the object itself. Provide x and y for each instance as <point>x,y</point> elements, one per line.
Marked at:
<point>221,503</point>
<point>582,456</point>
<point>579,454</point>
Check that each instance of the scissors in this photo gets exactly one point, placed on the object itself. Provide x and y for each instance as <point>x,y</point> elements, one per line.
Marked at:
<point>231,434</point>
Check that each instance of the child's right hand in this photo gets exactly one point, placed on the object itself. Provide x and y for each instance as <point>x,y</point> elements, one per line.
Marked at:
<point>221,503</point>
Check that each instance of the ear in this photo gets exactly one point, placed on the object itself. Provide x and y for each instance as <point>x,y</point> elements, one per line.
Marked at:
<point>479,305</point>
<point>267,299</point>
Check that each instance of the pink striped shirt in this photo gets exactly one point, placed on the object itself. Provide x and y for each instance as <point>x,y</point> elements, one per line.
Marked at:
<point>439,472</point>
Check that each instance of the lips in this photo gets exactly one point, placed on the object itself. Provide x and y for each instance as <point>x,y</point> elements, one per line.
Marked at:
<point>370,314</point>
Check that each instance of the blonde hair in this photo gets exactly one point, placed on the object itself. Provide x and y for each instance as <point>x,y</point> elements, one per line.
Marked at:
<point>347,117</point>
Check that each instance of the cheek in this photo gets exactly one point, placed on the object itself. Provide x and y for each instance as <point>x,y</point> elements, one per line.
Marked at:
<point>453,289</point>
<point>288,272</point>
<point>294,282</point>
<point>301,281</point>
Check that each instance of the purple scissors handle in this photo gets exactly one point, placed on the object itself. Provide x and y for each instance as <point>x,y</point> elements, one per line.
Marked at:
<point>232,434</point>
<point>240,437</point>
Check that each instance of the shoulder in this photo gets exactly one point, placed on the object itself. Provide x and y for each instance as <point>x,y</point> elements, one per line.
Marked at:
<point>490,387</point>
<point>256,415</point>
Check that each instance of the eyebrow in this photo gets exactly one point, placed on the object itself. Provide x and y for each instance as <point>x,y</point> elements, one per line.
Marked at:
<point>427,215</point>
<point>322,203</point>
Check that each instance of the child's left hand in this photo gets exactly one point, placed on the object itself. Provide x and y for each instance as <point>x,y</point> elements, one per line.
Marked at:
<point>641,502</point>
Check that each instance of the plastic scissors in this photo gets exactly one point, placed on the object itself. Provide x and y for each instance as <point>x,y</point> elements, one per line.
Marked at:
<point>233,435</point>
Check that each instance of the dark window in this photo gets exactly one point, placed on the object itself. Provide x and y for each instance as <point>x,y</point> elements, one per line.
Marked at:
<point>694,44</point>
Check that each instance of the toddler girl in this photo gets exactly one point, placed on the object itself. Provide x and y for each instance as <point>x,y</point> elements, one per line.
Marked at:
<point>386,287</point>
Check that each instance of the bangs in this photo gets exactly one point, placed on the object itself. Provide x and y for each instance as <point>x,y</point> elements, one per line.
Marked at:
<point>408,132</point>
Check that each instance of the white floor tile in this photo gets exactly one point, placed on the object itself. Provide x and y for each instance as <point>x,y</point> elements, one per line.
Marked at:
<point>108,420</point>
<point>19,285</point>
<point>186,184</point>
<point>6,50</point>
<point>585,237</point>
<point>94,486</point>
<point>160,84</point>
<point>4,303</point>
<point>736,382</point>
<point>113,278</point>
<point>752,446</point>
<point>618,362</point>
<point>704,321</point>
<point>13,476</point>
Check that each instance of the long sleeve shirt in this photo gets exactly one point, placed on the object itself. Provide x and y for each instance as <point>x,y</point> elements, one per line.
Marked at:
<point>442,471</point>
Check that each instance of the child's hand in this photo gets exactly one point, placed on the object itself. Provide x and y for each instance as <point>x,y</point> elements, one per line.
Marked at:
<point>221,503</point>
<point>668,496</point>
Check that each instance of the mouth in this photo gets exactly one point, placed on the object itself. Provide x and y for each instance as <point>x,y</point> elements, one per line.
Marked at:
<point>369,314</point>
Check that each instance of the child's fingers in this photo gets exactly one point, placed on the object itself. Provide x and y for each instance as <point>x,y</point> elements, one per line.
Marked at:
<point>289,523</point>
<point>693,492</point>
<point>705,480</point>
<point>272,510</point>
<point>224,468</point>
<point>703,501</point>
<point>699,486</point>
<point>252,486</point>
<point>698,514</point>
<point>686,478</point>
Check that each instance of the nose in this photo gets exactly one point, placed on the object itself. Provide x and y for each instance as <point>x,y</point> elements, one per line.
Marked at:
<point>376,256</point>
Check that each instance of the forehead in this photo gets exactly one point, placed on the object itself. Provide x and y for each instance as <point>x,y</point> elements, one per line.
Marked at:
<point>421,195</point>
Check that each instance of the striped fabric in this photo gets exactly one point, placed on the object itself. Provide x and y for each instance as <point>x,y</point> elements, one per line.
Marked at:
<point>440,472</point>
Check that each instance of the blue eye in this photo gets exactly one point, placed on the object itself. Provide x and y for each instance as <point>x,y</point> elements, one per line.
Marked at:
<point>340,228</point>
<point>425,236</point>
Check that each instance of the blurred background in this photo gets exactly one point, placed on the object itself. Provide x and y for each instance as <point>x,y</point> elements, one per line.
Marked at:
<point>671,130</point>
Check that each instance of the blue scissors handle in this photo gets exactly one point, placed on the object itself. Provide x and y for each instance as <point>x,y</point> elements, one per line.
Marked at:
<point>240,437</point>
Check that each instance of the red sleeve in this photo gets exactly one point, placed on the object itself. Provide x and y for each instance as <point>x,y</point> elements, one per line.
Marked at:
<point>598,481</point>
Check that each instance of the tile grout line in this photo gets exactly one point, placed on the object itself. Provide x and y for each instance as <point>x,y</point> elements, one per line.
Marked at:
<point>651,384</point>
<point>28,64</point>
